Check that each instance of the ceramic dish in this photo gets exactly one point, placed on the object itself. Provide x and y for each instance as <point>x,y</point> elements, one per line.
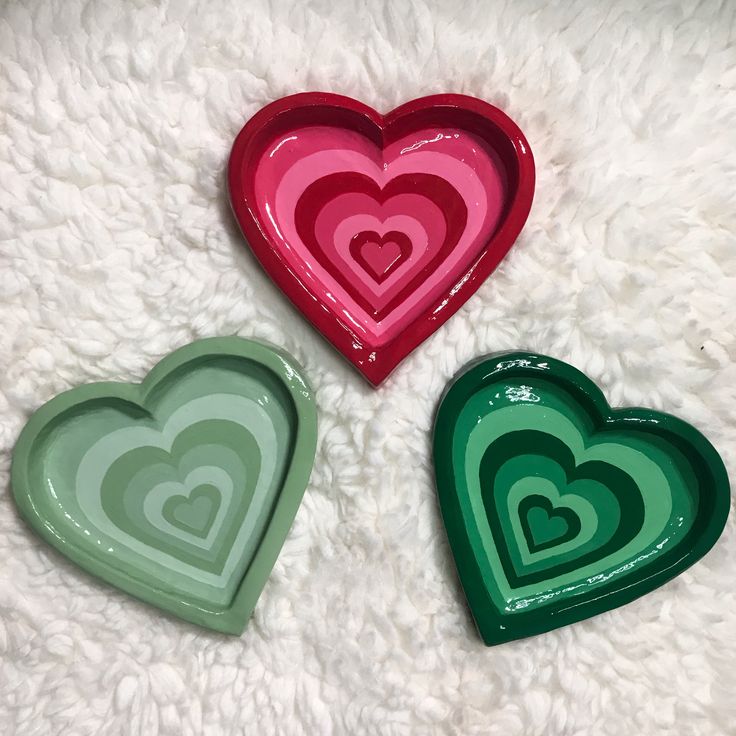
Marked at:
<point>179,490</point>
<point>558,507</point>
<point>380,227</point>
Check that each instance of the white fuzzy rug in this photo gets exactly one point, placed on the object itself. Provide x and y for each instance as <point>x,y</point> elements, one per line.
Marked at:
<point>117,245</point>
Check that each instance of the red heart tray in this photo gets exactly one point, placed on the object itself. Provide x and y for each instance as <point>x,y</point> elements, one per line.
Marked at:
<point>380,227</point>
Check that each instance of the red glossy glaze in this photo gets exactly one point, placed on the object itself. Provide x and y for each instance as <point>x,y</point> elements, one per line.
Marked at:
<point>380,227</point>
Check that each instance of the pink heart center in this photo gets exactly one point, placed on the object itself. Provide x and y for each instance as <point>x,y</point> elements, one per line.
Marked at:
<point>381,256</point>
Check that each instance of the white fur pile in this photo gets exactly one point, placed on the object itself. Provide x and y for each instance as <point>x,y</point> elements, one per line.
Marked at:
<point>117,245</point>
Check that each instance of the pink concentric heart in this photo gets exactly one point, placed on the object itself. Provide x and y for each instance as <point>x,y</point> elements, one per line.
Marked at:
<point>325,185</point>
<point>370,234</point>
<point>438,216</point>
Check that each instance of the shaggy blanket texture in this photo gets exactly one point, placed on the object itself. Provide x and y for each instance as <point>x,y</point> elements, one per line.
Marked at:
<point>117,245</point>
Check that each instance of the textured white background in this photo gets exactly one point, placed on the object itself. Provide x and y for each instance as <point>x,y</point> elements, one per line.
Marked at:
<point>116,246</point>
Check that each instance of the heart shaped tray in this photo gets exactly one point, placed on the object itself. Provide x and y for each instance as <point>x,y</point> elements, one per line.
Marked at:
<point>558,507</point>
<point>380,227</point>
<point>179,490</point>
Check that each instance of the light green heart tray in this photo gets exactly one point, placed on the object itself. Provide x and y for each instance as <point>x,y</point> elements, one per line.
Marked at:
<point>558,507</point>
<point>179,490</point>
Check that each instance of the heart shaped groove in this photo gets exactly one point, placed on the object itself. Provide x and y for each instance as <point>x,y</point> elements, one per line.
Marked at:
<point>442,185</point>
<point>179,490</point>
<point>546,526</point>
<point>380,255</point>
<point>195,512</point>
<point>558,507</point>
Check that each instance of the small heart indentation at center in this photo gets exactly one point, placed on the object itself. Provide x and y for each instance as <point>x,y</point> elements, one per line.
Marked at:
<point>547,526</point>
<point>194,513</point>
<point>380,255</point>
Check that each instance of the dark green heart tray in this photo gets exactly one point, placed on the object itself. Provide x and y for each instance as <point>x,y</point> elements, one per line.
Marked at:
<point>558,507</point>
<point>179,490</point>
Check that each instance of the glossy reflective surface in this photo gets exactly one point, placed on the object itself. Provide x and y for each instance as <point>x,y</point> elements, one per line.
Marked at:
<point>179,490</point>
<point>380,227</point>
<point>557,507</point>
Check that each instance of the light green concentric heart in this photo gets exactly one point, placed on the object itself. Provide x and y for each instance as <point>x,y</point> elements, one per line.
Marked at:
<point>193,512</point>
<point>180,491</point>
<point>151,476</point>
<point>102,466</point>
<point>558,507</point>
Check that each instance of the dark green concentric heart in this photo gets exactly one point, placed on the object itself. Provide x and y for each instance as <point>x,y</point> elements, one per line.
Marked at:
<point>603,499</point>
<point>179,490</point>
<point>558,507</point>
<point>545,525</point>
